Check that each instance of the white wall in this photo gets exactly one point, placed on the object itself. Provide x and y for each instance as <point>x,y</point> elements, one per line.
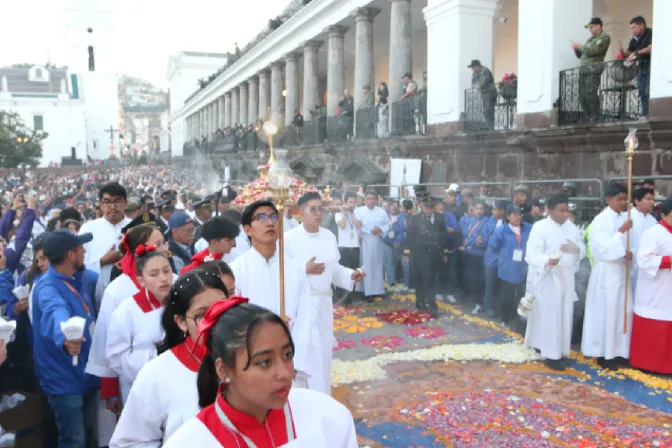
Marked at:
<point>505,57</point>
<point>63,120</point>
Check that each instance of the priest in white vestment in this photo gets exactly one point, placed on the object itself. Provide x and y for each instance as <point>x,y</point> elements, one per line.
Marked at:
<point>102,252</point>
<point>315,248</point>
<point>642,220</point>
<point>257,274</point>
<point>651,347</point>
<point>375,224</point>
<point>603,321</point>
<point>553,250</point>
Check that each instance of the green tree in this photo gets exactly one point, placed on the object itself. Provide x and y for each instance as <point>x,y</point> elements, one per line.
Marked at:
<point>19,144</point>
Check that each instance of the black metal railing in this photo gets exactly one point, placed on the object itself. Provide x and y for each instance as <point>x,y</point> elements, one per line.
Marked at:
<point>340,128</point>
<point>251,141</point>
<point>291,135</point>
<point>224,144</point>
<point>315,131</point>
<point>599,93</point>
<point>409,116</point>
<point>491,109</point>
<point>366,123</point>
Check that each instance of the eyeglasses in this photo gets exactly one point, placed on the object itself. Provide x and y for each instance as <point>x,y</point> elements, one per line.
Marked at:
<point>116,202</point>
<point>187,229</point>
<point>315,210</point>
<point>262,217</point>
<point>197,319</point>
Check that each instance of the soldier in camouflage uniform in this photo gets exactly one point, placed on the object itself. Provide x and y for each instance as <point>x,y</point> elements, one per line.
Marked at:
<point>592,55</point>
<point>483,80</point>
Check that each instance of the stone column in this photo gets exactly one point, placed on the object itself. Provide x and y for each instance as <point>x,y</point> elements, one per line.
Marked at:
<point>227,110</point>
<point>264,94</point>
<point>543,53</point>
<point>364,66</point>
<point>199,125</point>
<point>211,116</point>
<point>253,100</point>
<point>277,85</point>
<point>311,81</point>
<point>235,107</point>
<point>401,54</point>
<point>292,86</point>
<point>660,102</point>
<point>220,123</point>
<point>335,68</point>
<point>449,76</point>
<point>242,98</point>
<point>215,120</point>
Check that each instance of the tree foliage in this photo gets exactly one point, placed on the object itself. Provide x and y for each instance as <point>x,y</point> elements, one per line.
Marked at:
<point>19,144</point>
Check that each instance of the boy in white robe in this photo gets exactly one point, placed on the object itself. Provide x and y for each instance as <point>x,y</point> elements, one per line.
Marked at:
<point>375,224</point>
<point>257,273</point>
<point>553,249</point>
<point>603,324</point>
<point>315,247</point>
<point>642,220</point>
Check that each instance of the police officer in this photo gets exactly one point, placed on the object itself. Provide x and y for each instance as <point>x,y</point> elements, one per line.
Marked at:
<point>592,55</point>
<point>202,214</point>
<point>427,244</point>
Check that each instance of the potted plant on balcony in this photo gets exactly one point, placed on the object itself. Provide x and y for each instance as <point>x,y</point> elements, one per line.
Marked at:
<point>623,71</point>
<point>508,88</point>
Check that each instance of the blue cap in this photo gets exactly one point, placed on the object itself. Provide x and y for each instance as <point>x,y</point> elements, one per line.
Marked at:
<point>179,219</point>
<point>501,204</point>
<point>512,208</point>
<point>60,242</point>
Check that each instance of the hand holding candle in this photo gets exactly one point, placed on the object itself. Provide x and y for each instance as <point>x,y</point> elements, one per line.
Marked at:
<point>73,329</point>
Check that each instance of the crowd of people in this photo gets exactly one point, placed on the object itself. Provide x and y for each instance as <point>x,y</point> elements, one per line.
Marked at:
<point>116,277</point>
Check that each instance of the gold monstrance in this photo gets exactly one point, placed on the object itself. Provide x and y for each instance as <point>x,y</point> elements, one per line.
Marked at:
<point>631,143</point>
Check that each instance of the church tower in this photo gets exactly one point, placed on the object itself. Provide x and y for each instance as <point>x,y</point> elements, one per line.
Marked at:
<point>90,34</point>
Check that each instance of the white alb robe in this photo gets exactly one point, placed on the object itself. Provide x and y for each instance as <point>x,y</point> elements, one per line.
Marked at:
<point>132,337</point>
<point>640,224</point>
<point>163,397</point>
<point>652,297</point>
<point>605,298</point>
<point>372,248</point>
<point>549,325</point>
<point>105,235</point>
<point>319,420</point>
<point>259,281</point>
<point>301,246</point>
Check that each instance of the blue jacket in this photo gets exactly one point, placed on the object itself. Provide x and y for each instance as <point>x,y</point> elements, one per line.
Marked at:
<point>490,258</point>
<point>472,228</point>
<point>22,237</point>
<point>503,243</point>
<point>399,229</point>
<point>454,236</point>
<point>53,303</point>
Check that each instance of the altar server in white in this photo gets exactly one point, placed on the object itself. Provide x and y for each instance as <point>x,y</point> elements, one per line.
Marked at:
<point>164,395</point>
<point>245,388</point>
<point>651,347</point>
<point>375,223</point>
<point>553,250</point>
<point>315,248</point>
<point>135,326</point>
<point>603,335</point>
<point>102,252</point>
<point>257,274</point>
<point>642,220</point>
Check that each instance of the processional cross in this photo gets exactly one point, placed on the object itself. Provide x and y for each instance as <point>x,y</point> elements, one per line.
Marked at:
<point>112,131</point>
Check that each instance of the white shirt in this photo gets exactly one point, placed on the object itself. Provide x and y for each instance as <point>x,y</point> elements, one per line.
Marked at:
<point>348,236</point>
<point>105,236</point>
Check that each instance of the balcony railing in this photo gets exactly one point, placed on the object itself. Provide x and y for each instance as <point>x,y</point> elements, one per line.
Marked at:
<point>315,131</point>
<point>599,93</point>
<point>292,135</point>
<point>340,128</point>
<point>366,123</point>
<point>224,144</point>
<point>491,110</point>
<point>409,116</point>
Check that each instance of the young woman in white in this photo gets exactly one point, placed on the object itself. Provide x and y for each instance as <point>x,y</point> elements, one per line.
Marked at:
<point>135,326</point>
<point>164,394</point>
<point>249,351</point>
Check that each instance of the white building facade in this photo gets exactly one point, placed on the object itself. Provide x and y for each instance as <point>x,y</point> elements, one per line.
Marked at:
<point>327,46</point>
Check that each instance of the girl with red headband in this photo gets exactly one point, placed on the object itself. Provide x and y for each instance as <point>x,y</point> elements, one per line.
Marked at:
<point>164,394</point>
<point>245,388</point>
<point>135,326</point>
<point>124,286</point>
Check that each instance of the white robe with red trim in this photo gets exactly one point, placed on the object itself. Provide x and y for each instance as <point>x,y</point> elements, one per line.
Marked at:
<point>162,398</point>
<point>319,422</point>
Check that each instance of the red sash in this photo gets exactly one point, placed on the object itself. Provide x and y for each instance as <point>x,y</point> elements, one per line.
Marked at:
<point>199,259</point>
<point>189,354</point>
<point>146,301</point>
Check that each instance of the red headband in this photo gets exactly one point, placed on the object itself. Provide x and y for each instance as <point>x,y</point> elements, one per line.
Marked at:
<point>203,256</point>
<point>211,316</point>
<point>128,261</point>
<point>142,249</point>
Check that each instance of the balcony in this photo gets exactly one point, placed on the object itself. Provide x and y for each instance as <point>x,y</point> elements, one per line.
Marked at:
<point>408,116</point>
<point>366,123</point>
<point>599,93</point>
<point>315,131</point>
<point>491,111</point>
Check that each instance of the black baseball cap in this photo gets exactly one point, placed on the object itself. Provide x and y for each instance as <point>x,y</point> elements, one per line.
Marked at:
<point>594,21</point>
<point>474,63</point>
<point>60,242</point>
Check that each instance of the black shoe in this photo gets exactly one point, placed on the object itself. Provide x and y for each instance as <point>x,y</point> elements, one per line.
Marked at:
<point>554,364</point>
<point>607,364</point>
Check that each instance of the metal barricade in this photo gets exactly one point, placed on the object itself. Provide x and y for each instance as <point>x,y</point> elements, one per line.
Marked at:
<point>435,185</point>
<point>382,189</point>
<point>663,177</point>
<point>590,206</point>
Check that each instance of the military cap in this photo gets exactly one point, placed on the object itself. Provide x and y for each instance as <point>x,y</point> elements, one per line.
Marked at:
<point>132,206</point>
<point>169,194</point>
<point>168,205</point>
<point>594,21</point>
<point>145,218</point>
<point>205,204</point>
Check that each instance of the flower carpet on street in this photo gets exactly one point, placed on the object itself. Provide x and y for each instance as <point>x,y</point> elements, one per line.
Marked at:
<point>464,381</point>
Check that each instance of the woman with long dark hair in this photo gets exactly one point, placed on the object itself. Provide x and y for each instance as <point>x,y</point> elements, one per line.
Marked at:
<point>164,394</point>
<point>245,388</point>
